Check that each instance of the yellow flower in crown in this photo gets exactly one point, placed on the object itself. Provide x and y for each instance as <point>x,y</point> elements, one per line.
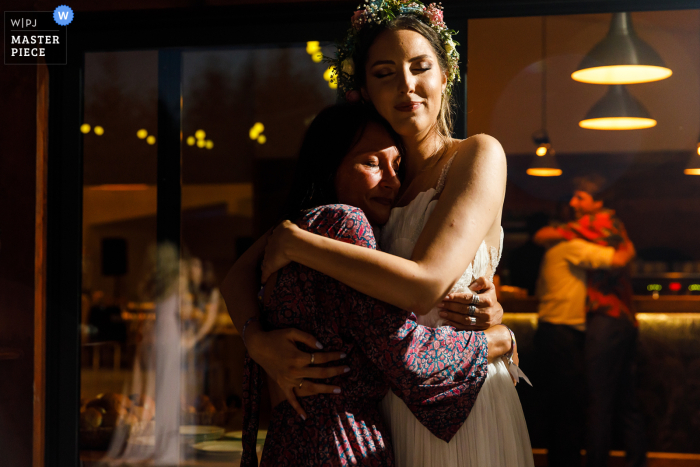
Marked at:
<point>348,66</point>
<point>377,12</point>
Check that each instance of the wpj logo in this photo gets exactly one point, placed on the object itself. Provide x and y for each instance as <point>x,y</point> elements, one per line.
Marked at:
<point>37,35</point>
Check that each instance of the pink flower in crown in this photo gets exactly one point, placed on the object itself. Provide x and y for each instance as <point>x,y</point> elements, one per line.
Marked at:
<point>434,14</point>
<point>356,19</point>
<point>352,96</point>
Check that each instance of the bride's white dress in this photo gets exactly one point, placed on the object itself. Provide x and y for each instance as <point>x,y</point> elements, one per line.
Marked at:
<point>495,433</point>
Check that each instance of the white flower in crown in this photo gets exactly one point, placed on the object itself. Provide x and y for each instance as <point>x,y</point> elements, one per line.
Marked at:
<point>348,66</point>
<point>449,46</point>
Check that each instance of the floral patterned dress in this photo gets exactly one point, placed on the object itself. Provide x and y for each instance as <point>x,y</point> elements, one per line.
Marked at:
<point>437,372</point>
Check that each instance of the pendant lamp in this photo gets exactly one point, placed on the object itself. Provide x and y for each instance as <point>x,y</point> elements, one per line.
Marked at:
<point>693,167</point>
<point>544,164</point>
<point>617,110</point>
<point>621,58</point>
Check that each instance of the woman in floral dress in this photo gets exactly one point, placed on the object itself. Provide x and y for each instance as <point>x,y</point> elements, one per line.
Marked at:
<point>436,372</point>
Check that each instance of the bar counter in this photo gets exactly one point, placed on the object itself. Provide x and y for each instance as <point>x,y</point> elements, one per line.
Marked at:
<point>668,364</point>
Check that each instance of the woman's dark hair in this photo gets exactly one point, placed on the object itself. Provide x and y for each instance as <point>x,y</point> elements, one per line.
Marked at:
<point>366,38</point>
<point>329,138</point>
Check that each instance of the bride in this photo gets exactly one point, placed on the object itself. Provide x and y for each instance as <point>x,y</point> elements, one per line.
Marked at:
<point>443,232</point>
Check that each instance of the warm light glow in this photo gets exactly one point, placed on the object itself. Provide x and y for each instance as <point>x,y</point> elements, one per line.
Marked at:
<point>201,143</point>
<point>121,187</point>
<point>200,134</point>
<point>698,150</point>
<point>617,123</point>
<point>151,140</point>
<point>543,172</point>
<point>317,57</point>
<point>674,286</point>
<point>209,144</point>
<point>255,130</point>
<point>312,47</point>
<point>262,139</point>
<point>621,74</point>
<point>652,287</point>
<point>541,151</point>
<point>85,128</point>
<point>190,140</point>
<point>328,74</point>
<point>99,131</point>
<point>141,134</point>
<point>692,171</point>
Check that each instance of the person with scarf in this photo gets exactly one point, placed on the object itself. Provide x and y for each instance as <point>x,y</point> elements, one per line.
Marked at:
<point>611,327</point>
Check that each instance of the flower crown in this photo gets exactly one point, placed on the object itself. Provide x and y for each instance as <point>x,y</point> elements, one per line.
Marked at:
<point>376,12</point>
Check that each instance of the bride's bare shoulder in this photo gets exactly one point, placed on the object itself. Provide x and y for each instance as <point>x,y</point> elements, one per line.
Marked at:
<point>479,152</point>
<point>478,144</point>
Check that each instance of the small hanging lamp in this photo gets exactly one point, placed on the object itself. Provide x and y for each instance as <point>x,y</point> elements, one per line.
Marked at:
<point>617,110</point>
<point>544,163</point>
<point>621,58</point>
<point>693,167</point>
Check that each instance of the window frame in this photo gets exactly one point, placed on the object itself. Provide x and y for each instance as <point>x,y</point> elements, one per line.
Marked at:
<point>172,31</point>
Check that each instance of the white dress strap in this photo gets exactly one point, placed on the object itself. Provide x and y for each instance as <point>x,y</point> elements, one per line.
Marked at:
<point>443,174</point>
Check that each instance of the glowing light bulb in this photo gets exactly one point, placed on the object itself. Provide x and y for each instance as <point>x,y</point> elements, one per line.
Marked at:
<point>190,140</point>
<point>328,74</point>
<point>209,144</point>
<point>541,151</point>
<point>544,172</point>
<point>99,131</point>
<point>255,130</point>
<point>201,143</point>
<point>85,128</point>
<point>617,123</point>
<point>141,134</point>
<point>262,139</point>
<point>151,140</point>
<point>200,134</point>
<point>317,57</point>
<point>621,74</point>
<point>312,47</point>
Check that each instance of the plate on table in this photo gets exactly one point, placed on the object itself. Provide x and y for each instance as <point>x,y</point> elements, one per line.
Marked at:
<point>222,450</point>
<point>238,435</point>
<point>200,433</point>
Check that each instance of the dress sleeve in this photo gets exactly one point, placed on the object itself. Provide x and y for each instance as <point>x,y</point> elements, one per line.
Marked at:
<point>437,372</point>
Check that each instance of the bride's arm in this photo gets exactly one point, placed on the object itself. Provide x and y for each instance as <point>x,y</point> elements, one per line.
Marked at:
<point>469,206</point>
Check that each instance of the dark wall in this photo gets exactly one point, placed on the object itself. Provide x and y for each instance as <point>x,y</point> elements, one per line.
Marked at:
<point>18,86</point>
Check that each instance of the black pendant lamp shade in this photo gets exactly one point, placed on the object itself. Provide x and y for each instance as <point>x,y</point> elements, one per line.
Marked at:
<point>617,110</point>
<point>621,58</point>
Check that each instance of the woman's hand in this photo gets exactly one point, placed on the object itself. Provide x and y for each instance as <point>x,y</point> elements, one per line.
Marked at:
<point>276,351</point>
<point>455,307</point>
<point>275,257</point>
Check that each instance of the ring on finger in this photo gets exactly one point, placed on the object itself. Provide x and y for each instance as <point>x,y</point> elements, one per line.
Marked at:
<point>471,310</point>
<point>313,357</point>
<point>475,299</point>
<point>472,320</point>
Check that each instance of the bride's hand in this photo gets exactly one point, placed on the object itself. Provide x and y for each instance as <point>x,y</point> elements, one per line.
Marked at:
<point>276,351</point>
<point>455,307</point>
<point>275,257</point>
